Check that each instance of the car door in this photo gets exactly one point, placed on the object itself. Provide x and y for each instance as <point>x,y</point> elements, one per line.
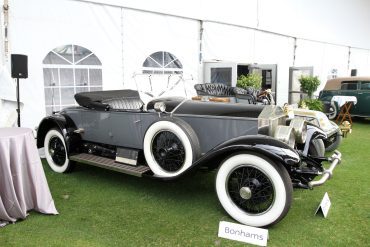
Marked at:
<point>363,99</point>
<point>118,128</point>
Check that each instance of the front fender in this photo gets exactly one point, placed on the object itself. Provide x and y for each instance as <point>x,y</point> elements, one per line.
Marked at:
<point>64,124</point>
<point>259,144</point>
<point>313,132</point>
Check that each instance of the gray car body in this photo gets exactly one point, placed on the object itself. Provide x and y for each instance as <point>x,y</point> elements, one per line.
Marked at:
<point>127,128</point>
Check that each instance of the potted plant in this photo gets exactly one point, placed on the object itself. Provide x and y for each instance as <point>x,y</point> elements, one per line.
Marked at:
<point>309,85</point>
<point>253,80</point>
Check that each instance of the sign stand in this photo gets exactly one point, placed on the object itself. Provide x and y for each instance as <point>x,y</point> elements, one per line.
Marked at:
<point>324,205</point>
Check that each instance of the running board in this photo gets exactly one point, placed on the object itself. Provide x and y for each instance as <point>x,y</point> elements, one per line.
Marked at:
<point>110,164</point>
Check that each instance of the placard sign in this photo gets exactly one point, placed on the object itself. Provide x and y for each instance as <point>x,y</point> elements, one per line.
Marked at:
<point>324,205</point>
<point>246,234</point>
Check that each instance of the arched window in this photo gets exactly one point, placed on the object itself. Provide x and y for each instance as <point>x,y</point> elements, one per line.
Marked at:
<point>162,62</point>
<point>68,70</point>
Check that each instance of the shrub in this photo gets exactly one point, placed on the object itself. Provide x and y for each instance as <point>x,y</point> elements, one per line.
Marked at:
<point>311,104</point>
<point>253,80</point>
<point>309,84</point>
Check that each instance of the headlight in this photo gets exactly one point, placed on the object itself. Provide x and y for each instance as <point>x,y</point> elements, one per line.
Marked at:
<point>299,126</point>
<point>285,134</point>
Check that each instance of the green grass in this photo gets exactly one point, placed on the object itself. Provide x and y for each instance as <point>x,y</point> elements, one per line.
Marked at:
<point>103,208</point>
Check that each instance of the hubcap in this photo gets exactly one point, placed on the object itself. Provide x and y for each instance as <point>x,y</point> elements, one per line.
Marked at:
<point>245,193</point>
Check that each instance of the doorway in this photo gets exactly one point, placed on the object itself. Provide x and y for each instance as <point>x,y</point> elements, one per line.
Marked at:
<point>295,93</point>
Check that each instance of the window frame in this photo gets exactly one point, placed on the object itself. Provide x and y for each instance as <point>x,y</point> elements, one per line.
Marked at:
<point>162,68</point>
<point>345,83</point>
<point>74,66</point>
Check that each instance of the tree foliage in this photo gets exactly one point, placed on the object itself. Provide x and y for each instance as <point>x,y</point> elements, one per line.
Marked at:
<point>253,80</point>
<point>309,84</point>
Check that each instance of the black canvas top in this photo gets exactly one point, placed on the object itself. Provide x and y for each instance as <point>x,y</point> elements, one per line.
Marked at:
<point>97,99</point>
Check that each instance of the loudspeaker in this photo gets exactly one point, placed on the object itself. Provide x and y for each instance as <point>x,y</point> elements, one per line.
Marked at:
<point>353,72</point>
<point>19,66</point>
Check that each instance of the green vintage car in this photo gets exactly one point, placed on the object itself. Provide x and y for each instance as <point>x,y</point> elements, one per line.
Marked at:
<point>347,86</point>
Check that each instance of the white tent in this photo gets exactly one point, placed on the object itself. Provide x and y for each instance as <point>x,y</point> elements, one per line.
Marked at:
<point>158,46</point>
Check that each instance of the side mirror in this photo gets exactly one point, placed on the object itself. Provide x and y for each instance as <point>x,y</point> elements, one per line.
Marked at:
<point>160,107</point>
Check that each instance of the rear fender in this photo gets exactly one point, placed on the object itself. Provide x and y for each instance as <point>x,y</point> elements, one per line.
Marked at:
<point>65,125</point>
<point>276,150</point>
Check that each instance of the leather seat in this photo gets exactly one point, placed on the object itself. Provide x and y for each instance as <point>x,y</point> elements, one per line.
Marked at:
<point>214,89</point>
<point>248,95</point>
<point>127,103</point>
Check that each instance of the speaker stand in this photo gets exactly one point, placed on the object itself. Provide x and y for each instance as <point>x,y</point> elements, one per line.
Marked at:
<point>18,105</point>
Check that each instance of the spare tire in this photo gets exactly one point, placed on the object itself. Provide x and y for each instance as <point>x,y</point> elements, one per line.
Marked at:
<point>170,147</point>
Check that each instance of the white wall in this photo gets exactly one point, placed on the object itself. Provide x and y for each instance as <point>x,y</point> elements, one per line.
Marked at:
<point>335,21</point>
<point>146,33</point>
<point>35,31</point>
<point>122,38</point>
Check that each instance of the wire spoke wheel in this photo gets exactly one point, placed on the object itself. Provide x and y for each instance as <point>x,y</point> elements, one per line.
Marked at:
<point>253,189</point>
<point>57,151</point>
<point>170,147</point>
<point>250,189</point>
<point>168,151</point>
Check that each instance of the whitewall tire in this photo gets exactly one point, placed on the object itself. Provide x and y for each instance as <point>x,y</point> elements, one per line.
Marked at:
<point>253,190</point>
<point>170,147</point>
<point>333,112</point>
<point>56,151</point>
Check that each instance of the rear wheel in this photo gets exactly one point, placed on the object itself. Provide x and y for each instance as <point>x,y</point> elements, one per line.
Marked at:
<point>333,111</point>
<point>56,151</point>
<point>254,190</point>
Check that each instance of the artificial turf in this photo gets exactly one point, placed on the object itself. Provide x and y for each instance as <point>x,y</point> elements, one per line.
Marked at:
<point>98,207</point>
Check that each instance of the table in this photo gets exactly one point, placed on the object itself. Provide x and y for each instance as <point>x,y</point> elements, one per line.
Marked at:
<point>345,104</point>
<point>23,185</point>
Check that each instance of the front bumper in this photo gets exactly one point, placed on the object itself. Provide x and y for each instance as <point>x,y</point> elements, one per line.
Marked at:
<point>327,173</point>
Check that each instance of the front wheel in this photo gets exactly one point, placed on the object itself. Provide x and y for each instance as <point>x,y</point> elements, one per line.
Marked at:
<point>317,148</point>
<point>56,151</point>
<point>334,141</point>
<point>253,190</point>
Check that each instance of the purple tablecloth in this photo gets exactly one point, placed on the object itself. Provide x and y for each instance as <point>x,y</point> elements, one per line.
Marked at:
<point>23,185</point>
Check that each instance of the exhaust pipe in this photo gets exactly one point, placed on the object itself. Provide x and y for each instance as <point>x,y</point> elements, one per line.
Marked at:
<point>327,173</point>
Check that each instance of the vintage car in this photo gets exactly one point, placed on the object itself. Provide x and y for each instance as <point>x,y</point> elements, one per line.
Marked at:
<point>260,153</point>
<point>347,86</point>
<point>331,129</point>
<point>217,91</point>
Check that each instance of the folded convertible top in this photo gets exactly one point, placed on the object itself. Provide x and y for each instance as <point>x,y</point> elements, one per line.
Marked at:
<point>116,99</point>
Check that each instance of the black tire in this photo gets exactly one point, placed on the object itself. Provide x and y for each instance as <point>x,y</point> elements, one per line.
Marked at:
<point>254,190</point>
<point>56,152</point>
<point>170,147</point>
<point>317,148</point>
